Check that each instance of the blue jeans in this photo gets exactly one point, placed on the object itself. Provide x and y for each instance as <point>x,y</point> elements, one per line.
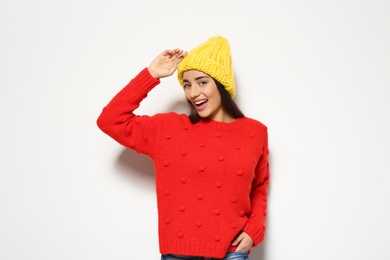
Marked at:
<point>229,256</point>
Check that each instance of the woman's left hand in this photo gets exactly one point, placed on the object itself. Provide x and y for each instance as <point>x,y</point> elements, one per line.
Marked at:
<point>243,242</point>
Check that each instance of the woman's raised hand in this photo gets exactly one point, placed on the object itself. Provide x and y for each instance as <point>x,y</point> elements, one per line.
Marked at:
<point>165,64</point>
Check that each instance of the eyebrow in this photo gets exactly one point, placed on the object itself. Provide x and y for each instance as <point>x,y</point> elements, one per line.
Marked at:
<point>197,78</point>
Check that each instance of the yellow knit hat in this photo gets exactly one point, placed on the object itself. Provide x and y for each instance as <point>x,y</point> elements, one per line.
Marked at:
<point>213,58</point>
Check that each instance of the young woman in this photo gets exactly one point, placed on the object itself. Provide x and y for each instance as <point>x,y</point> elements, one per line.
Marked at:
<point>211,166</point>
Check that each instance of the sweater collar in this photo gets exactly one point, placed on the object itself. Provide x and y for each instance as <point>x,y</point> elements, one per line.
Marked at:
<point>221,125</point>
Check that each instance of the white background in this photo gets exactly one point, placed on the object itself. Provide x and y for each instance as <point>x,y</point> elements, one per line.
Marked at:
<point>315,72</point>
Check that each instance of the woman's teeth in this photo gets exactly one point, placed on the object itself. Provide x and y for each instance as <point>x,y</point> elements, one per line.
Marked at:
<point>201,102</point>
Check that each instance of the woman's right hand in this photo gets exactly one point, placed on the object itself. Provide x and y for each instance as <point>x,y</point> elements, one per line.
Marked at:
<point>165,64</point>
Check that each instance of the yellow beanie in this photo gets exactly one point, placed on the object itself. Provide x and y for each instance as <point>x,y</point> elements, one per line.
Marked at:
<point>213,58</point>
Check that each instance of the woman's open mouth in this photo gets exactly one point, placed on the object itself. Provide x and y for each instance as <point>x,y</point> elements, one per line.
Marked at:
<point>200,104</point>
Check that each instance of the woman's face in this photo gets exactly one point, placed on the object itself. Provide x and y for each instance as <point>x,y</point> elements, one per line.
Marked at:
<point>200,89</point>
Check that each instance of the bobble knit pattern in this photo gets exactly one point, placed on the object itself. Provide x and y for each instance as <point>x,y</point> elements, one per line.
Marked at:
<point>211,177</point>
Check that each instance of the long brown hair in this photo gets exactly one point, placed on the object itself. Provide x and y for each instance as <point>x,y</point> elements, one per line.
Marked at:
<point>227,103</point>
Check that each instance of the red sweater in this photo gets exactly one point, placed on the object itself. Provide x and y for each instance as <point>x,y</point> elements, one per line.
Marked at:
<point>211,177</point>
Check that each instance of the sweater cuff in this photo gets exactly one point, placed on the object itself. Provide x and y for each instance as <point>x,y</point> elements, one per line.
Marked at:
<point>145,80</point>
<point>255,233</point>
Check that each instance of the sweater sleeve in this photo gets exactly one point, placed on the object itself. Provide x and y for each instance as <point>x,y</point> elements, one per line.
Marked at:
<point>119,122</point>
<point>255,226</point>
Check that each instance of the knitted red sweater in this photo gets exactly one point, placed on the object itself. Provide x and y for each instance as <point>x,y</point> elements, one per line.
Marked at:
<point>211,177</point>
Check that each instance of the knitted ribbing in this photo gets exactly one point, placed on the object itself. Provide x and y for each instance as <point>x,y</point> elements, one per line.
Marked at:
<point>213,58</point>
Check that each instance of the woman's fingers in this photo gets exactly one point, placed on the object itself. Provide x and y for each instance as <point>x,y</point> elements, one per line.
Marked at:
<point>173,54</point>
<point>166,63</point>
<point>243,242</point>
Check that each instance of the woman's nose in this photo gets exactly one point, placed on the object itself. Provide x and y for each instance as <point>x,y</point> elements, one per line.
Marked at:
<point>194,92</point>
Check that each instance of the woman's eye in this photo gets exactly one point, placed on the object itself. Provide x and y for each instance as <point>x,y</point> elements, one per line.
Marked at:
<point>186,85</point>
<point>202,83</point>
